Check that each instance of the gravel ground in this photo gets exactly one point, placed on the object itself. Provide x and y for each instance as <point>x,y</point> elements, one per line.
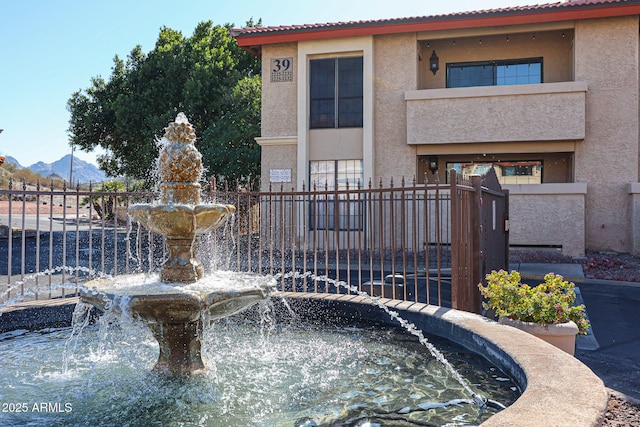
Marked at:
<point>621,412</point>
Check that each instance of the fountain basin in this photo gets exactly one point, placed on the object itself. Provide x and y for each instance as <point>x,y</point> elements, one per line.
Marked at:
<point>181,220</point>
<point>294,372</point>
<point>181,224</point>
<point>175,312</point>
<point>557,389</point>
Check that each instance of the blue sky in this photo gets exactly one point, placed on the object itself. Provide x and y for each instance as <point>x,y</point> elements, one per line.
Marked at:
<point>49,49</point>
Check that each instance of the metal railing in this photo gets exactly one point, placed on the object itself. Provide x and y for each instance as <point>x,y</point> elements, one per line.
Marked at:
<point>415,242</point>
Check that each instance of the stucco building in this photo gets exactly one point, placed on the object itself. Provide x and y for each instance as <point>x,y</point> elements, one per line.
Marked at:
<point>547,95</point>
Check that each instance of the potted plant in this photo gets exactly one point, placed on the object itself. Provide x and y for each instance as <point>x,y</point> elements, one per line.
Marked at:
<point>546,310</point>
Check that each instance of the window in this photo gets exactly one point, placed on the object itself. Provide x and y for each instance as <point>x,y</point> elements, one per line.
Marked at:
<point>336,93</point>
<point>327,212</point>
<point>508,172</point>
<point>494,73</point>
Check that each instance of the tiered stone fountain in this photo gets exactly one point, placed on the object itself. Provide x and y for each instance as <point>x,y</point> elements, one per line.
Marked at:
<point>176,306</point>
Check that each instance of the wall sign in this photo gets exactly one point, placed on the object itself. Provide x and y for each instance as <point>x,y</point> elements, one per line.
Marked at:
<point>281,70</point>
<point>280,175</point>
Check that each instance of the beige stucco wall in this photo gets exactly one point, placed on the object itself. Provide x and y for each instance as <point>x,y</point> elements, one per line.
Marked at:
<point>279,99</point>
<point>554,46</point>
<point>278,153</point>
<point>548,214</point>
<point>533,112</point>
<point>335,144</point>
<point>395,72</point>
<point>278,139</point>
<point>607,59</point>
<point>634,193</point>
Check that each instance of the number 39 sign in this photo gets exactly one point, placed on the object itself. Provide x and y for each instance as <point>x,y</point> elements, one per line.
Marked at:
<point>281,70</point>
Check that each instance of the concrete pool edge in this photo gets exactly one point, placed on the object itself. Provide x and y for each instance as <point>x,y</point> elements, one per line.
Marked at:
<point>558,389</point>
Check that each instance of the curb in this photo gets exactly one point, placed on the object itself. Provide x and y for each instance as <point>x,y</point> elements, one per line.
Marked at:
<point>624,397</point>
<point>579,280</point>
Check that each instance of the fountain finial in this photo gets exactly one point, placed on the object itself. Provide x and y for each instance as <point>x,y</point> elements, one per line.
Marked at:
<point>180,163</point>
<point>180,130</point>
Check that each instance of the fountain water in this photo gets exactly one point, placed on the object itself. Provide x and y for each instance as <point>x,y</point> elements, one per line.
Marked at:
<point>173,306</point>
<point>319,369</point>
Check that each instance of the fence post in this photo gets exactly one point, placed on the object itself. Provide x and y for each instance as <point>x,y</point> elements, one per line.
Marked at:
<point>456,244</point>
<point>473,293</point>
<point>465,244</point>
<point>505,227</point>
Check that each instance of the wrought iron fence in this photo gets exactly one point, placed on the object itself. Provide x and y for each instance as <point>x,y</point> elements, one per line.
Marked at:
<point>385,240</point>
<point>53,238</point>
<point>416,242</point>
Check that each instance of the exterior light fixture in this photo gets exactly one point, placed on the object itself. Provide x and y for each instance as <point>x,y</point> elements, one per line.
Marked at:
<point>433,162</point>
<point>434,63</point>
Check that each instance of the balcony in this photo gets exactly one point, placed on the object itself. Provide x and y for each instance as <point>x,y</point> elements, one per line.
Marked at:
<point>533,112</point>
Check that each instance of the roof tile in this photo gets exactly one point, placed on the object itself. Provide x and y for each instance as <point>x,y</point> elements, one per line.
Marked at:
<point>537,8</point>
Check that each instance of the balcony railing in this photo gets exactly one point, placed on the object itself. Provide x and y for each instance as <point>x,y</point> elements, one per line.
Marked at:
<point>533,112</point>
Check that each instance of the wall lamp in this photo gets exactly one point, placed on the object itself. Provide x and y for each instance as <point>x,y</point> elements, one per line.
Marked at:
<point>433,163</point>
<point>434,63</point>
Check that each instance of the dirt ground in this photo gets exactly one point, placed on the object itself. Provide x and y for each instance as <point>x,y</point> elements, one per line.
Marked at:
<point>31,208</point>
<point>621,413</point>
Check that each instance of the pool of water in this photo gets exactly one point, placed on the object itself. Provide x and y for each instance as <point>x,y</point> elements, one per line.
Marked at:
<point>285,374</point>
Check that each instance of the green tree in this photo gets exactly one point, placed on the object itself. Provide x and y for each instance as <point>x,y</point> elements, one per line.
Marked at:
<point>206,76</point>
<point>235,156</point>
<point>106,201</point>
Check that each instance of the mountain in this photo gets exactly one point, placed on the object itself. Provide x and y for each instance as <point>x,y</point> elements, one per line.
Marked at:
<point>82,171</point>
<point>14,161</point>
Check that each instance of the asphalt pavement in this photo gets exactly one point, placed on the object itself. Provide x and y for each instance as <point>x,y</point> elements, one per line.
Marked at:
<point>612,347</point>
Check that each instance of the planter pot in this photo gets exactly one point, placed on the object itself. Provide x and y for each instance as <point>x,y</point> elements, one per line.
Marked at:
<point>561,335</point>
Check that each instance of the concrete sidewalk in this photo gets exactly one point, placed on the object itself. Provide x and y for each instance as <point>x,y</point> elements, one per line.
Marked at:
<point>571,272</point>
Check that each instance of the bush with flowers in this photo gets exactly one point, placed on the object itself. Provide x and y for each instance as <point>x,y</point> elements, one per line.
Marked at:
<point>548,302</point>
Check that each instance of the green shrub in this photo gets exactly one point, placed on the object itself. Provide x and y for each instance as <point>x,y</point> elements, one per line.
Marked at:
<point>549,302</point>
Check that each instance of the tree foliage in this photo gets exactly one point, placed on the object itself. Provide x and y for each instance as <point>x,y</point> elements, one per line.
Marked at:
<point>206,76</point>
<point>237,160</point>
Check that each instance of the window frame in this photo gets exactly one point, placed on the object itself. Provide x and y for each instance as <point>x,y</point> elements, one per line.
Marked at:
<point>334,109</point>
<point>346,209</point>
<point>501,164</point>
<point>495,64</point>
